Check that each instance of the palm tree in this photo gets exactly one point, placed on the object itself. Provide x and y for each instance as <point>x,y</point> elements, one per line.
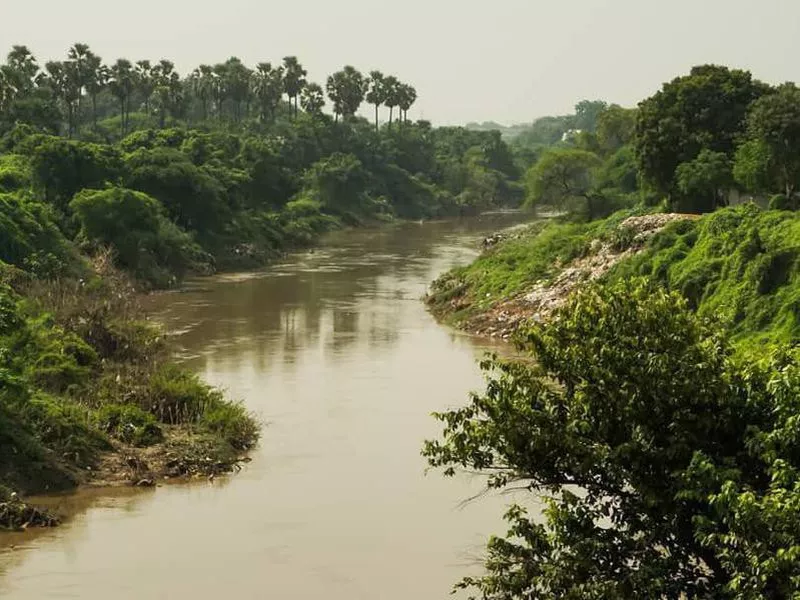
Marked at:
<point>268,89</point>
<point>377,92</point>
<point>312,99</point>
<point>238,79</point>
<point>294,79</point>
<point>346,89</point>
<point>220,89</point>
<point>21,69</point>
<point>202,85</point>
<point>145,83</point>
<point>167,88</point>
<point>98,76</point>
<point>121,86</point>
<point>406,98</point>
<point>79,54</point>
<point>392,94</point>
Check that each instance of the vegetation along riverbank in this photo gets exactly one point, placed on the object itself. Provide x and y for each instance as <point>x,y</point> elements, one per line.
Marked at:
<point>121,177</point>
<point>656,411</point>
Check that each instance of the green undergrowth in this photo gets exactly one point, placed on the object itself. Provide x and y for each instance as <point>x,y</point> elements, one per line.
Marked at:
<point>535,254</point>
<point>80,370</point>
<point>739,266</point>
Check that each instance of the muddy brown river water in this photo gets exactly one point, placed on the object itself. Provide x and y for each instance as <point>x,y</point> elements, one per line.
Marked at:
<point>335,353</point>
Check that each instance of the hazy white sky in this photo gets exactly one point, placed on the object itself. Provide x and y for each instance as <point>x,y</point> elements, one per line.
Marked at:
<point>503,60</point>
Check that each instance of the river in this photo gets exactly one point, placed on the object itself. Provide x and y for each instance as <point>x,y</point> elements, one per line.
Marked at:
<point>334,352</point>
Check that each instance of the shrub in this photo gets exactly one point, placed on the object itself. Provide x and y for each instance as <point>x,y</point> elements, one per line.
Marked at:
<point>130,424</point>
<point>144,240</point>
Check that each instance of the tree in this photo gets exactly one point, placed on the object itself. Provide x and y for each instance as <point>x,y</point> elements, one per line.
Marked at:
<point>393,94</point>
<point>97,77</point>
<point>773,129</point>
<point>202,85</point>
<point>703,110</point>
<point>339,183</point>
<point>704,182</point>
<point>377,92</point>
<point>587,113</point>
<point>80,72</point>
<point>145,82</point>
<point>135,226</point>
<point>168,90</point>
<point>407,95</point>
<point>21,69</point>
<point>563,177</point>
<point>193,199</point>
<point>313,99</point>
<point>294,79</point>
<point>667,467</point>
<point>58,83</point>
<point>615,127</point>
<point>346,89</point>
<point>268,85</point>
<point>122,84</point>
<point>61,168</point>
<point>238,82</point>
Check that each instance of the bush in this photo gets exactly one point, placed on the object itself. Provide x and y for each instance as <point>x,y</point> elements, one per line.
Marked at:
<point>178,396</point>
<point>130,424</point>
<point>232,423</point>
<point>145,242</point>
<point>30,239</point>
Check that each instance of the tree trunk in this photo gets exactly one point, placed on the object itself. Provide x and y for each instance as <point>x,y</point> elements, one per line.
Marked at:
<point>70,119</point>
<point>94,111</point>
<point>376,118</point>
<point>78,112</point>
<point>391,110</point>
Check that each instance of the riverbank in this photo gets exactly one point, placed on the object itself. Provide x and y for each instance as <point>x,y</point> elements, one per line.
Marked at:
<point>738,266</point>
<point>92,395</point>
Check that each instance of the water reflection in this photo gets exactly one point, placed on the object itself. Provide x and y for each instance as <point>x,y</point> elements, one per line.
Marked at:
<point>336,354</point>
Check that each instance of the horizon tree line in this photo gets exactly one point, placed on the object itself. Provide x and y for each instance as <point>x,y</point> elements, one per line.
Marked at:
<point>229,89</point>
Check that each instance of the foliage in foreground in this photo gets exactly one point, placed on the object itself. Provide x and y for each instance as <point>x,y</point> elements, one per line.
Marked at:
<point>668,465</point>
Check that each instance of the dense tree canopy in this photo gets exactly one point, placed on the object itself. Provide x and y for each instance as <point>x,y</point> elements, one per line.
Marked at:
<point>704,110</point>
<point>243,161</point>
<point>667,466</point>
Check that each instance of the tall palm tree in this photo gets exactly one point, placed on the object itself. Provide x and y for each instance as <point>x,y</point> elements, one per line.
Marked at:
<point>268,89</point>
<point>121,85</point>
<point>78,55</point>
<point>377,92</point>
<point>145,83</point>
<point>238,83</point>
<point>406,98</point>
<point>294,79</point>
<point>21,69</point>
<point>392,95</point>
<point>346,89</point>
<point>97,80</point>
<point>202,86</point>
<point>220,88</point>
<point>167,88</point>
